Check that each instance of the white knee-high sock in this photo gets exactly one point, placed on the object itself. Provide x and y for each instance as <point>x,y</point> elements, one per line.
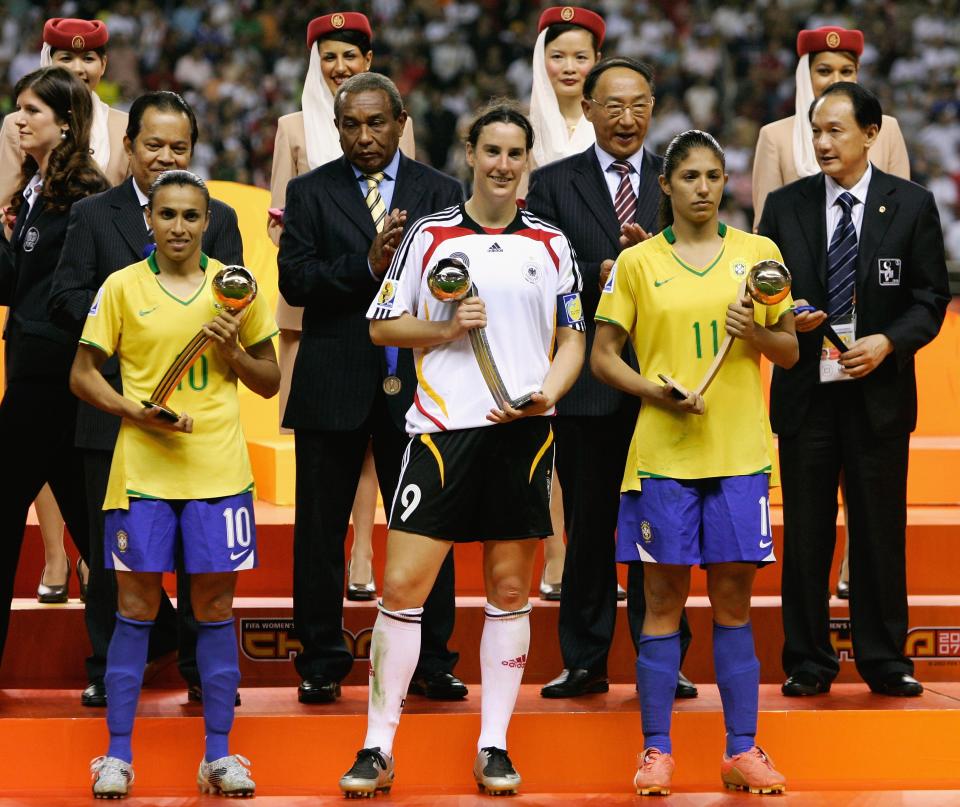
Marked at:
<point>503,655</point>
<point>394,651</point>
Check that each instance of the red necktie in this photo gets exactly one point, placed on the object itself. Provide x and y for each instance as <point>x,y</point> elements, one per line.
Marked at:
<point>625,201</point>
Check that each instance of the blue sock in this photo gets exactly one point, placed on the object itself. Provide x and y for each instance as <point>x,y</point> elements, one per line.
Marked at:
<point>738,679</point>
<point>658,665</point>
<point>219,677</point>
<point>126,659</point>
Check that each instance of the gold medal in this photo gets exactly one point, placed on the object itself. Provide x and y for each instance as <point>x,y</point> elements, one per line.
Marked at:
<point>391,385</point>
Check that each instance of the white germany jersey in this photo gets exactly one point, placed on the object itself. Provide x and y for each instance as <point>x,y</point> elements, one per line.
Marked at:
<point>527,276</point>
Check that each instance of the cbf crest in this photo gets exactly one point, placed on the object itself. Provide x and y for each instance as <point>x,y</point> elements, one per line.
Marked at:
<point>123,541</point>
<point>738,269</point>
<point>646,532</point>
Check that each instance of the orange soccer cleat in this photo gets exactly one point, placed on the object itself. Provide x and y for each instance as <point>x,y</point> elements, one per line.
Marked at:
<point>753,771</point>
<point>654,773</point>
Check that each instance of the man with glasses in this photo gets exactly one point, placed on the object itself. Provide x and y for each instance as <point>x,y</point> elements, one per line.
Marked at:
<point>605,199</point>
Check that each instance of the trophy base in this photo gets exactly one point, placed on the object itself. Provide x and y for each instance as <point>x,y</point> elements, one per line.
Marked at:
<point>522,401</point>
<point>678,391</point>
<point>164,412</point>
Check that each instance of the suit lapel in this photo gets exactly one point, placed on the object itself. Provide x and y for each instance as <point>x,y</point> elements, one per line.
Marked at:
<point>407,192</point>
<point>648,200</point>
<point>588,181</point>
<point>880,196</point>
<point>812,223</point>
<point>128,218</point>
<point>23,215</point>
<point>345,191</point>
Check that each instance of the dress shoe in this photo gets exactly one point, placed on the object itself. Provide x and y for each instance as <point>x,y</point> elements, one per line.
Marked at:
<point>81,582</point>
<point>843,590</point>
<point>441,686</point>
<point>685,687</point>
<point>573,683</point>
<point>361,592</point>
<point>549,591</point>
<point>94,695</point>
<point>318,690</point>
<point>804,683</point>
<point>899,685</point>
<point>195,695</point>
<point>53,594</point>
<point>621,593</point>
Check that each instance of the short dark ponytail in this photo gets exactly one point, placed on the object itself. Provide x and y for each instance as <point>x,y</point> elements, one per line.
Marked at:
<point>678,150</point>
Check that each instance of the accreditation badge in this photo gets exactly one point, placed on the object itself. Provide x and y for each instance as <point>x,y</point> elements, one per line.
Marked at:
<point>830,369</point>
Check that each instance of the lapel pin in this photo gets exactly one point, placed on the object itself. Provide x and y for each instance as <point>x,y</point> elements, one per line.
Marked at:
<point>883,208</point>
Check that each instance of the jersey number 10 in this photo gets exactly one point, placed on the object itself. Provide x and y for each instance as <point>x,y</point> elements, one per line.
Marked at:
<point>238,527</point>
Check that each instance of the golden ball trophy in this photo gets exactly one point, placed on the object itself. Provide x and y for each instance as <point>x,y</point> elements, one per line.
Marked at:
<point>233,288</point>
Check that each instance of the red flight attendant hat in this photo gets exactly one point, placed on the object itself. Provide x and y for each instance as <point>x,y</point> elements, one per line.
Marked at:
<point>320,27</point>
<point>65,33</point>
<point>574,15</point>
<point>829,38</point>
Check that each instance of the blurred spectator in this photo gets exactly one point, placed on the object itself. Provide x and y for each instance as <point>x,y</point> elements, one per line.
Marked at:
<point>240,63</point>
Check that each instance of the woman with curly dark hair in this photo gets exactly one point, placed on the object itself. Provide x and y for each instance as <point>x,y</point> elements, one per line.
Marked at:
<point>38,412</point>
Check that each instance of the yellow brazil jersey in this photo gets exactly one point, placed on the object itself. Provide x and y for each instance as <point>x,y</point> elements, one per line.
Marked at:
<point>675,314</point>
<point>136,317</point>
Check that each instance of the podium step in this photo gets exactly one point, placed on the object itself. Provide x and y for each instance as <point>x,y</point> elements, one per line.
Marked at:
<point>463,797</point>
<point>47,644</point>
<point>563,747</point>
<point>931,539</point>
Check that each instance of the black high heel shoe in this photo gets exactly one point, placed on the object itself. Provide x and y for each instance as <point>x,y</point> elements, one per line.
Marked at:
<point>80,581</point>
<point>49,595</point>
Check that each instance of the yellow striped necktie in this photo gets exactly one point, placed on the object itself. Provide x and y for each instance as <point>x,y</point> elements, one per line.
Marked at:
<point>378,210</point>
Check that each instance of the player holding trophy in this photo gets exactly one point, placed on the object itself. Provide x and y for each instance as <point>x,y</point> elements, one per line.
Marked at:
<point>177,478</point>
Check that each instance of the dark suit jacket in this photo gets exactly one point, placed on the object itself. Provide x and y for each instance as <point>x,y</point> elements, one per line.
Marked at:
<point>573,194</point>
<point>327,232</point>
<point>35,347</point>
<point>106,233</point>
<point>901,227</point>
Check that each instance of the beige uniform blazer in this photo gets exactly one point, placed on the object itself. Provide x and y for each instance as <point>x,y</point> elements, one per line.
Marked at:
<point>289,161</point>
<point>11,158</point>
<point>773,161</point>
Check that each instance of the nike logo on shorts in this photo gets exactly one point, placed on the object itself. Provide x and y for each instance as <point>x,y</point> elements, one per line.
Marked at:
<point>239,555</point>
<point>765,545</point>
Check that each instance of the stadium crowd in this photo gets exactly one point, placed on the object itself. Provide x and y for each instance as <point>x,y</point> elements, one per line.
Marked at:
<point>727,69</point>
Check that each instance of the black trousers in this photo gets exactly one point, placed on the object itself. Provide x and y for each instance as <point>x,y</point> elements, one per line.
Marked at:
<point>37,421</point>
<point>836,436</point>
<point>591,453</point>
<point>174,629</point>
<point>328,470</point>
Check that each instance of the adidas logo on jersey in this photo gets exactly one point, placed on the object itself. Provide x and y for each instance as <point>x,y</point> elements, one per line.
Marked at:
<point>519,661</point>
<point>495,247</point>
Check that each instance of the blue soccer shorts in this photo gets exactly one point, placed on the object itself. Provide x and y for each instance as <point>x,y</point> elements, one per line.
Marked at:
<point>697,521</point>
<point>217,535</point>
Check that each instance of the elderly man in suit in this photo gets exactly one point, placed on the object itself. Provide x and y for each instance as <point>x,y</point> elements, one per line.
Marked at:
<point>108,232</point>
<point>866,252</point>
<point>604,199</point>
<point>337,242</point>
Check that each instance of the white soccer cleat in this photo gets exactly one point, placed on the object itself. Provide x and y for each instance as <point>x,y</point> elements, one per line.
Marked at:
<point>112,778</point>
<point>226,776</point>
<point>371,773</point>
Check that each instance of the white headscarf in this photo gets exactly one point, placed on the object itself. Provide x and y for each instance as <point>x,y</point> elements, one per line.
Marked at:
<point>804,158</point>
<point>323,140</point>
<point>551,141</point>
<point>99,131</point>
